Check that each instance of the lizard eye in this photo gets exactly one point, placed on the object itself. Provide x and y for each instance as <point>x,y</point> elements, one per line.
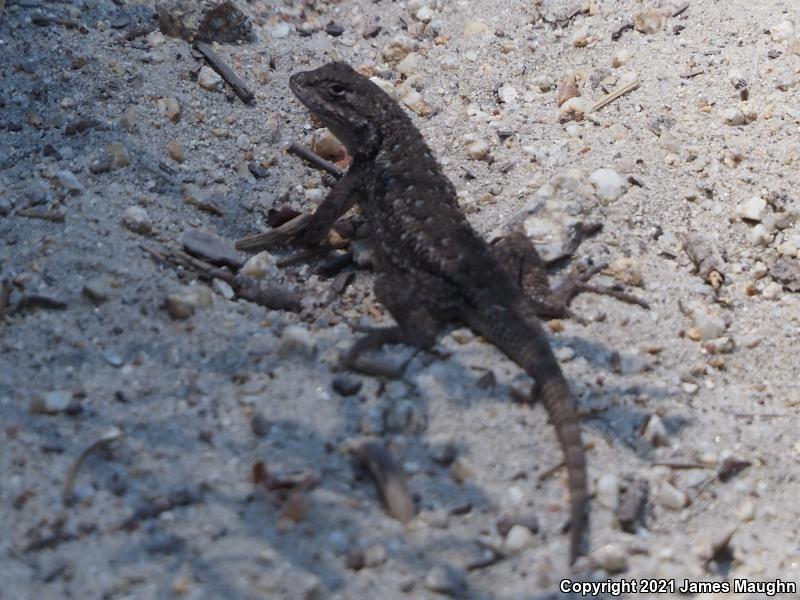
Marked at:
<point>336,90</point>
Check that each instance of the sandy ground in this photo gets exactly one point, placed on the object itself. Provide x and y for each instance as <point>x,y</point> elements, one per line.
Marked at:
<point>694,400</point>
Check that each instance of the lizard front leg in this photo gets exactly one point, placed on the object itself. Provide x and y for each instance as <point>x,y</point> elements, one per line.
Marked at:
<point>339,200</point>
<point>417,302</point>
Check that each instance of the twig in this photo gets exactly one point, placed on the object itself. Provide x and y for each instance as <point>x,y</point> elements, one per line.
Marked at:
<point>239,86</point>
<point>617,33</point>
<point>5,296</point>
<point>45,215</point>
<point>609,98</point>
<point>34,301</point>
<point>275,237</point>
<point>158,506</point>
<point>69,483</point>
<point>564,21</point>
<point>679,465</point>
<point>315,160</point>
<point>246,288</point>
<point>388,477</point>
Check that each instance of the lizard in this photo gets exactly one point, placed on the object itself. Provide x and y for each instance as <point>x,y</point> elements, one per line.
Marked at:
<point>432,267</point>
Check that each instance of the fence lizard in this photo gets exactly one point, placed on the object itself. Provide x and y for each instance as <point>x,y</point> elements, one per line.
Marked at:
<point>432,266</point>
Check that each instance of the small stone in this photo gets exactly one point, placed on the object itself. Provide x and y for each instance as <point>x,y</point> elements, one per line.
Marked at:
<point>608,490</point>
<point>447,580</point>
<point>346,385</point>
<point>656,432</point>
<point>621,58</point>
<point>460,471</point>
<point>69,181</point>
<point>752,209</point>
<point>175,150</point>
<point>209,79</point>
<point>611,558</point>
<point>609,184</point>
<point>475,28</point>
<point>223,288</point>
<point>508,94</point>
<point>325,144</point>
<point>51,403</point>
<point>260,266</point>
<point>782,32</point>
<point>651,20</point>
<point>183,304</point>
<point>207,21</point>
<point>260,424</point>
<point>518,539</point>
<point>97,290</point>
<point>746,511</point>
<point>243,142</point>
<point>409,65</point>
<point>545,83</point>
<point>444,452</point>
<point>67,102</point>
<point>296,341</point>
<point>424,14</point>
<point>626,270</point>
<point>668,496</point>
<point>772,291</point>
<point>477,150</point>
<point>211,248</point>
<point>170,108</point>
<point>119,153</point>
<point>280,31</point>
<point>112,358</point>
<point>565,354</point>
<point>333,29</point>
<point>375,556</point>
<point>707,323</point>
<point>580,38</point>
<point>137,220</point>
<point>734,117</point>
<point>101,163</point>
<point>129,119</point>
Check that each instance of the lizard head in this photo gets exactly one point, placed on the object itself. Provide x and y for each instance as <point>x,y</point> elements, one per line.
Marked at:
<point>347,103</point>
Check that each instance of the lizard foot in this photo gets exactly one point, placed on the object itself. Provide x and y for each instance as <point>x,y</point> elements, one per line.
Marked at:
<point>577,283</point>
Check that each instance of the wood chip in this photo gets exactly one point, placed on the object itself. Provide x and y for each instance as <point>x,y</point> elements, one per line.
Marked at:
<point>389,479</point>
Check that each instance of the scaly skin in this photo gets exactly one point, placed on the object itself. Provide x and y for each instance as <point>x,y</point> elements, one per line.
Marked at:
<point>433,267</point>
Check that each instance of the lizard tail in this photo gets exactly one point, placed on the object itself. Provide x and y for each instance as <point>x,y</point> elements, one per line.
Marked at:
<point>524,341</point>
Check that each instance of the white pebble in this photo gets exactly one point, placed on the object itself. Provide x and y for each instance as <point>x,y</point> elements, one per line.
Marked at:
<point>137,220</point>
<point>782,32</point>
<point>752,209</point>
<point>772,291</point>
<point>260,266</point>
<point>209,79</point>
<point>733,117</point>
<point>424,14</point>
<point>565,354</point>
<point>668,496</point>
<point>296,340</point>
<point>620,58</point>
<point>518,538</point>
<point>280,31</point>
<point>477,150</point>
<point>611,558</point>
<point>656,432</point>
<point>608,490</point>
<point>609,184</point>
<point>507,94</point>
